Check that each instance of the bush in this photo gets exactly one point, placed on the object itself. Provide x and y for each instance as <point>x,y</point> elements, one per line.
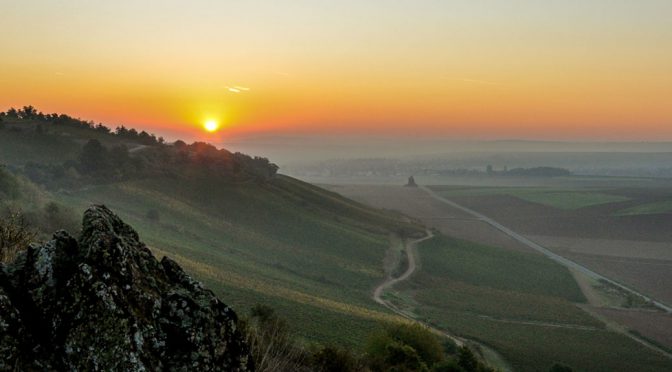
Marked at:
<point>447,366</point>
<point>15,235</point>
<point>335,359</point>
<point>560,368</point>
<point>398,346</point>
<point>272,346</point>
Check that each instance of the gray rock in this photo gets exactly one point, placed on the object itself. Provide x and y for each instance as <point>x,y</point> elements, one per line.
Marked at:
<point>105,303</point>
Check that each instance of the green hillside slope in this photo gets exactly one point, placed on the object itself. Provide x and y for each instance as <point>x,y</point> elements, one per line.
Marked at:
<point>251,236</point>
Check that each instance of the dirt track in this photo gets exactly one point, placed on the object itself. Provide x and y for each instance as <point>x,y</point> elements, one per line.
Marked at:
<point>410,248</point>
<point>390,281</point>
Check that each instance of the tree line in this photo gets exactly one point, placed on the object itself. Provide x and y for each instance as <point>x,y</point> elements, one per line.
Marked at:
<point>29,113</point>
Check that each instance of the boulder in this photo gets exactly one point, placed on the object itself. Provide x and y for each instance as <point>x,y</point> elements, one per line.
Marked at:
<point>104,302</point>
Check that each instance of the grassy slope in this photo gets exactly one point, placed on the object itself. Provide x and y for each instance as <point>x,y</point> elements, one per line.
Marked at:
<point>311,254</point>
<point>489,294</point>
<point>556,198</point>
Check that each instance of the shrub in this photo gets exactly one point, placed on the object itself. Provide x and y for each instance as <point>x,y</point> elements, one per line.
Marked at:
<point>272,346</point>
<point>335,359</point>
<point>15,235</point>
<point>560,368</point>
<point>398,346</point>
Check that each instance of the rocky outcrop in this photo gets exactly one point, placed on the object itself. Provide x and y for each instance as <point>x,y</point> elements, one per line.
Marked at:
<point>105,303</point>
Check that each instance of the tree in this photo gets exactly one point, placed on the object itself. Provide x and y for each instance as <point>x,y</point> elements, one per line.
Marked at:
<point>94,158</point>
<point>559,368</point>
<point>28,112</point>
<point>467,360</point>
<point>12,113</point>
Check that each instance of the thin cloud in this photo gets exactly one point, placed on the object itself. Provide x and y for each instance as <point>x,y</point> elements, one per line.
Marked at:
<point>237,89</point>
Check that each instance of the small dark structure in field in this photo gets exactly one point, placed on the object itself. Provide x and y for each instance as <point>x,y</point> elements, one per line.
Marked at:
<point>103,303</point>
<point>411,182</point>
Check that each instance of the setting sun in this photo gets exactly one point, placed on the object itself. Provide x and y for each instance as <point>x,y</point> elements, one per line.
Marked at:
<point>211,125</point>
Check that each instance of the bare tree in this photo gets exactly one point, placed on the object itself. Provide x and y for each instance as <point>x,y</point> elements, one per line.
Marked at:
<point>15,235</point>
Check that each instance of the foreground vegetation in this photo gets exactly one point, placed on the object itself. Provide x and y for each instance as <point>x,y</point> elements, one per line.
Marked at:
<point>397,347</point>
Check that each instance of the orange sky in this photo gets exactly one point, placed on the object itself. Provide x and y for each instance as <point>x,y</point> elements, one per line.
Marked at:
<point>479,69</point>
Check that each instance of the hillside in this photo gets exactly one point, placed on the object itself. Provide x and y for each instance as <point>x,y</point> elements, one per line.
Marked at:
<point>251,235</point>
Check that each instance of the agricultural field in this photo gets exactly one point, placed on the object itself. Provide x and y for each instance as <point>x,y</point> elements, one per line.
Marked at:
<point>632,248</point>
<point>552,197</point>
<point>523,305</point>
<point>520,304</point>
<point>651,325</point>
<point>418,204</point>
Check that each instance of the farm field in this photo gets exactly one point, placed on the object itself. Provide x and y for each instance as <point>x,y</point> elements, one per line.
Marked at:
<point>519,303</point>
<point>652,325</point>
<point>417,204</point>
<point>530,329</point>
<point>592,222</point>
<point>634,249</point>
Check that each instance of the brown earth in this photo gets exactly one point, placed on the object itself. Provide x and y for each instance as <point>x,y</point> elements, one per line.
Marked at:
<point>596,222</point>
<point>652,325</point>
<point>651,277</point>
<point>418,204</point>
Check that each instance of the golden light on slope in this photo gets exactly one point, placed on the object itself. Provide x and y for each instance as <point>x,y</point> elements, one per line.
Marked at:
<point>211,125</point>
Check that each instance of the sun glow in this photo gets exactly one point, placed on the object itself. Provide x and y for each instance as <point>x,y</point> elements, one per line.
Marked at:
<point>211,125</point>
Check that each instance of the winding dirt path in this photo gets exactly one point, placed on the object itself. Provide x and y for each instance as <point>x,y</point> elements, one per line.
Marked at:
<point>410,248</point>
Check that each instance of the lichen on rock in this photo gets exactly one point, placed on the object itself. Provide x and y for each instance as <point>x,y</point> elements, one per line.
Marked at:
<point>103,302</point>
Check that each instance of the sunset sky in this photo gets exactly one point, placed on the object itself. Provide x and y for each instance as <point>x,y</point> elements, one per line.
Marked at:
<point>573,69</point>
